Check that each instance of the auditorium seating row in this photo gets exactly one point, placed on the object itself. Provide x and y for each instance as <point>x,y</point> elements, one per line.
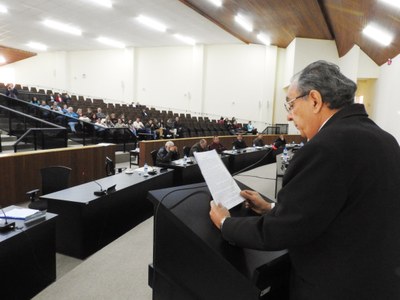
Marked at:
<point>192,126</point>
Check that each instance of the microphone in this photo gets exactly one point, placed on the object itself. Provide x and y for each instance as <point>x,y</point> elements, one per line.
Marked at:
<point>101,192</point>
<point>6,226</point>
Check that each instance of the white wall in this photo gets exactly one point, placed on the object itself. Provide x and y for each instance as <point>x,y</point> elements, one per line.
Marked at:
<point>44,70</point>
<point>349,63</point>
<point>239,81</point>
<point>164,77</point>
<point>102,74</point>
<point>386,110</point>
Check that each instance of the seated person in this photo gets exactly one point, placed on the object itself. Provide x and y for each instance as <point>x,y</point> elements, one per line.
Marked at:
<point>279,142</point>
<point>72,122</point>
<point>239,143</point>
<point>200,146</point>
<point>258,141</point>
<point>167,153</point>
<point>251,129</point>
<point>216,145</point>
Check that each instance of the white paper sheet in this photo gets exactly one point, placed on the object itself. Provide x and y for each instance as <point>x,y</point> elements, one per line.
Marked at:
<point>223,187</point>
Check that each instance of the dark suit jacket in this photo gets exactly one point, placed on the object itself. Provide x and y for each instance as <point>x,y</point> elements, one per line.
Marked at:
<point>164,156</point>
<point>338,213</point>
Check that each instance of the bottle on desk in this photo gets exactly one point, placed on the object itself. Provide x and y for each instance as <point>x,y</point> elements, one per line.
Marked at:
<point>185,161</point>
<point>234,149</point>
<point>145,170</point>
<point>285,156</point>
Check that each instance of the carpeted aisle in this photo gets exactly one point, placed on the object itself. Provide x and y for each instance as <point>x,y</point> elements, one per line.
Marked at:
<point>118,271</point>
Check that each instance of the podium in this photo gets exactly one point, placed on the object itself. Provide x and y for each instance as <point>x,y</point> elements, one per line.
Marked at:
<point>192,261</point>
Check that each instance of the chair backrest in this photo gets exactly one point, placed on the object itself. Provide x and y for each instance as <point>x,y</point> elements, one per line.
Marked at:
<point>154,156</point>
<point>186,150</point>
<point>54,178</point>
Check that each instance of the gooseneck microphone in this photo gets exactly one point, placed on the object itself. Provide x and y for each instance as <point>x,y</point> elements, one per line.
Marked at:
<point>6,226</point>
<point>101,192</point>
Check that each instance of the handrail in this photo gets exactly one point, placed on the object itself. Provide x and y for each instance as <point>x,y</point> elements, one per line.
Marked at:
<point>39,130</point>
<point>29,116</point>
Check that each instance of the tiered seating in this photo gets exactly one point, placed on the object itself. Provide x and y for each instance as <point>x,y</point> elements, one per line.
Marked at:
<point>193,126</point>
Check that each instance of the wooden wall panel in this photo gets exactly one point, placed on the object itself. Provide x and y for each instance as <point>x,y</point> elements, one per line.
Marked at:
<point>20,172</point>
<point>147,146</point>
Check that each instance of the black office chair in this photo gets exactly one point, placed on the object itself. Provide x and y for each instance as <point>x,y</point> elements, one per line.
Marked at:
<point>54,179</point>
<point>154,156</point>
<point>186,151</point>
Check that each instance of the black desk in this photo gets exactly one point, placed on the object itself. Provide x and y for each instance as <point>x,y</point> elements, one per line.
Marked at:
<point>192,261</point>
<point>190,173</point>
<point>86,222</point>
<point>27,258</point>
<point>243,158</point>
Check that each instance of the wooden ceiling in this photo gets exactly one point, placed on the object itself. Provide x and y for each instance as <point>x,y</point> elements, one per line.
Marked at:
<point>12,55</point>
<point>284,20</point>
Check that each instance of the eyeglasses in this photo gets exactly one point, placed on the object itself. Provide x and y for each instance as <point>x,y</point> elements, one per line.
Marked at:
<point>289,103</point>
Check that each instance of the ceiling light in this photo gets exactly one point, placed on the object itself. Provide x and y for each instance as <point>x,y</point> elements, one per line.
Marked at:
<point>151,23</point>
<point>37,46</point>
<point>264,39</point>
<point>185,39</point>
<point>110,42</point>
<point>2,59</point>
<point>62,27</point>
<point>392,2</point>
<point>105,3</point>
<point>378,35</point>
<point>3,9</point>
<point>217,3</point>
<point>242,22</point>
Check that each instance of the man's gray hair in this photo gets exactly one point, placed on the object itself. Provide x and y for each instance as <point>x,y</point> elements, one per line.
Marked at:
<point>336,89</point>
<point>169,144</point>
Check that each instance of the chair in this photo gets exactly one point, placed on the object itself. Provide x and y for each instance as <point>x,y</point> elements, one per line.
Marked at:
<point>154,156</point>
<point>54,178</point>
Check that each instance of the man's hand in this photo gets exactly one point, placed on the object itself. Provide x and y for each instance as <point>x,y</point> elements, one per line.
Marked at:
<point>218,213</point>
<point>255,202</point>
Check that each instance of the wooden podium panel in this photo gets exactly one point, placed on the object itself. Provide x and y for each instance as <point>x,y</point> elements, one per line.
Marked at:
<point>192,261</point>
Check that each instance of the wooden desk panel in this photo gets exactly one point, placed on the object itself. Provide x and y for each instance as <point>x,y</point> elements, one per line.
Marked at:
<point>28,258</point>
<point>21,171</point>
<point>87,222</point>
<point>147,146</point>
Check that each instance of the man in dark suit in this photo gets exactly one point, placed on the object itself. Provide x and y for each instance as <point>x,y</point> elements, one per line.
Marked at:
<point>200,146</point>
<point>338,212</point>
<point>167,153</point>
<point>239,143</point>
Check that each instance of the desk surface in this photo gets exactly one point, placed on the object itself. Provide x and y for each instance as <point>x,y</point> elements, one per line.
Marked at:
<point>84,193</point>
<point>20,225</point>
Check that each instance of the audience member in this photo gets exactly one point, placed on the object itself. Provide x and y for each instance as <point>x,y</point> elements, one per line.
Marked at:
<point>139,127</point>
<point>239,143</point>
<point>35,101</point>
<point>216,144</point>
<point>167,153</point>
<point>120,124</point>
<point>258,141</point>
<point>178,127</point>
<point>72,122</point>
<point>200,146</point>
<point>250,128</point>
<point>100,114</point>
<point>11,91</point>
<point>45,114</point>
